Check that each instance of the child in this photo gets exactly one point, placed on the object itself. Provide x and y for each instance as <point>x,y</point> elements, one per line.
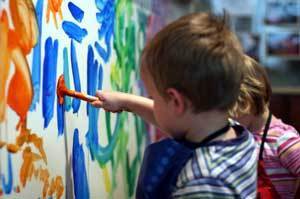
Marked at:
<point>192,70</point>
<point>281,149</point>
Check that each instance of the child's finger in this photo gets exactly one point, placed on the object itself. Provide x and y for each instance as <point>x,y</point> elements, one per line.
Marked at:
<point>99,94</point>
<point>97,103</point>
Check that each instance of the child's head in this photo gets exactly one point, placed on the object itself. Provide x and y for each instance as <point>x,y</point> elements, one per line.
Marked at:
<point>197,58</point>
<point>255,92</point>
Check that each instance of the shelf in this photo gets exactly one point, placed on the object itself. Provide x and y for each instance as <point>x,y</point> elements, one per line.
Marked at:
<point>291,28</point>
<point>286,90</point>
<point>284,57</point>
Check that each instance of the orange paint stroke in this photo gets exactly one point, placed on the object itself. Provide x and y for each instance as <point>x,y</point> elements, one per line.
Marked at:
<point>25,23</point>
<point>20,90</point>
<point>54,6</point>
<point>44,177</point>
<point>28,171</point>
<point>56,187</point>
<point>4,61</point>
<point>27,166</point>
<point>15,44</point>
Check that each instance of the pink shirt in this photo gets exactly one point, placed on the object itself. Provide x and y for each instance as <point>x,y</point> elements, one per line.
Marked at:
<point>281,156</point>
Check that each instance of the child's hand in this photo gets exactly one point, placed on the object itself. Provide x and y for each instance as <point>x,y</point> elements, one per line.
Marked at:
<point>110,101</point>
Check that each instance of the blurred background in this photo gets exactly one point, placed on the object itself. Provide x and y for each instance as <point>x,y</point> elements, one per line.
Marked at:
<point>269,31</point>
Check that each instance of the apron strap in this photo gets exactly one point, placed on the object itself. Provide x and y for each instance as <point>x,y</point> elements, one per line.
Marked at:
<point>264,137</point>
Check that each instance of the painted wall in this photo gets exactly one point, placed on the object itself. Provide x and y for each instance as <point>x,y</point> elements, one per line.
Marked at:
<point>74,150</point>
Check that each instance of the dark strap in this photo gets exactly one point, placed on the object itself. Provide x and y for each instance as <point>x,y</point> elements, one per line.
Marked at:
<point>264,137</point>
<point>207,139</point>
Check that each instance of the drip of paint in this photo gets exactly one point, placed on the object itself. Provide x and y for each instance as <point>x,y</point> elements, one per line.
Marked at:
<point>76,78</point>
<point>81,187</point>
<point>49,79</point>
<point>60,118</point>
<point>76,12</point>
<point>74,31</point>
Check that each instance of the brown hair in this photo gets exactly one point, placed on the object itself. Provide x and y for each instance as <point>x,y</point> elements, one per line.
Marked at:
<point>255,90</point>
<point>200,57</point>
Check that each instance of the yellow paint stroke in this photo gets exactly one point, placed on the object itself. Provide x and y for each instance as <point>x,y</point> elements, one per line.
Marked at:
<point>107,181</point>
<point>54,6</point>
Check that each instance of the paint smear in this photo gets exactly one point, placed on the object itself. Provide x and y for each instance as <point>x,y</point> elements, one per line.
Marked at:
<point>81,187</point>
<point>76,78</point>
<point>54,6</point>
<point>60,118</point>
<point>76,12</point>
<point>67,100</point>
<point>36,60</point>
<point>49,79</point>
<point>8,186</point>
<point>74,31</point>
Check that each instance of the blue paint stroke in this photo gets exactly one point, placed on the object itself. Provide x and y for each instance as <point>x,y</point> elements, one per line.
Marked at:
<point>36,60</point>
<point>67,100</point>
<point>74,31</point>
<point>8,186</point>
<point>81,187</point>
<point>100,77</point>
<point>105,18</point>
<point>76,12</point>
<point>60,111</point>
<point>92,69</point>
<point>102,154</point>
<point>49,79</point>
<point>76,78</point>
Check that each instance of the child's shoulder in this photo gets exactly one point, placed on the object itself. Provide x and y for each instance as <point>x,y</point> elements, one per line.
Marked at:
<point>278,128</point>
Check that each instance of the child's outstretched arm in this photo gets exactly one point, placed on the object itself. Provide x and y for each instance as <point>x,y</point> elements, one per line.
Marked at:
<point>117,102</point>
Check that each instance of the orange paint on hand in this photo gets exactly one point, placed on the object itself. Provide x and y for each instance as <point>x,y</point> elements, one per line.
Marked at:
<point>54,6</point>
<point>4,61</point>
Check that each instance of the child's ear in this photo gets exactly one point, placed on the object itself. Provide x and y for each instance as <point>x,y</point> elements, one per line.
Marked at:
<point>177,100</point>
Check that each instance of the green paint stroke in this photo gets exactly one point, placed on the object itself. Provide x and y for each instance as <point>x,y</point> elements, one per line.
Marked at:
<point>128,46</point>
